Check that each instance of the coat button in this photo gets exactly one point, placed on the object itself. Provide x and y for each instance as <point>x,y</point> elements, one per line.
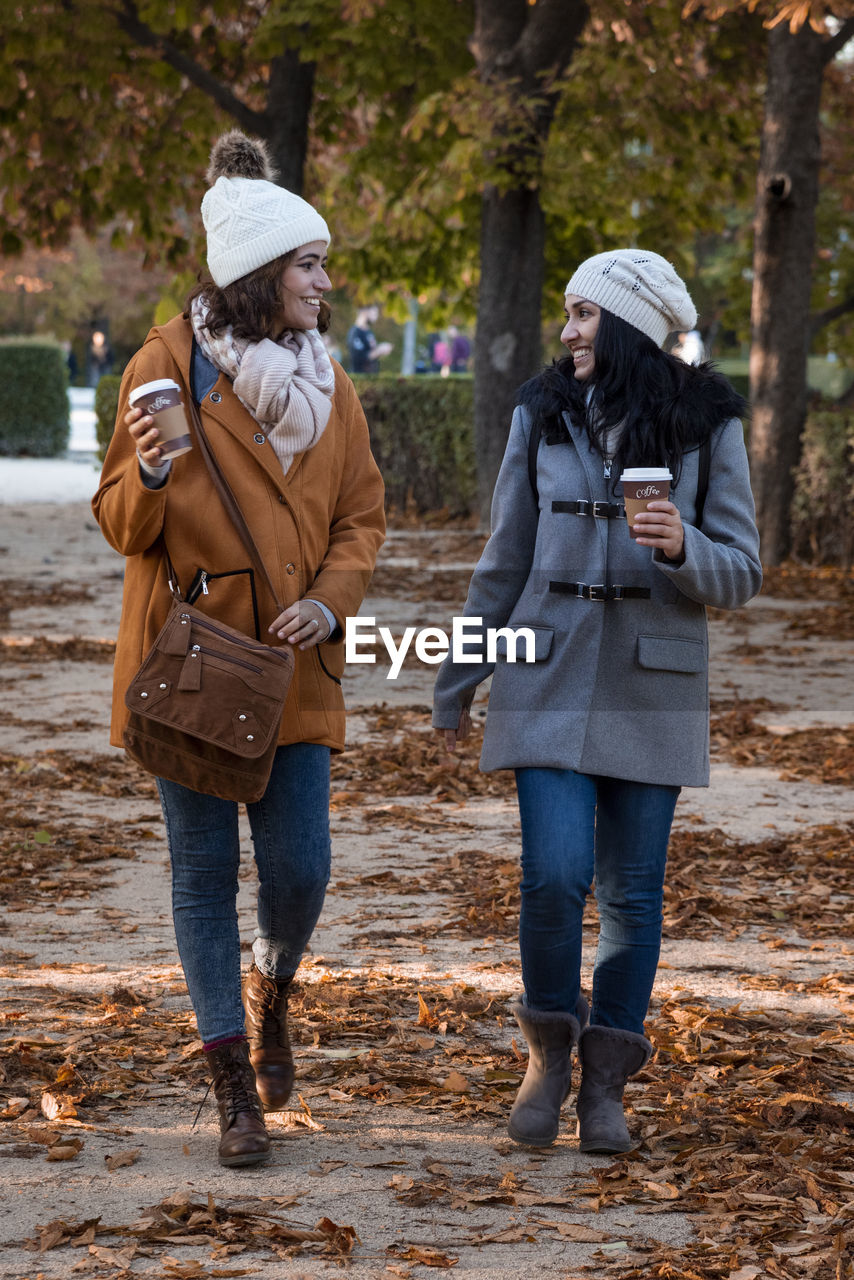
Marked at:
<point>281,497</point>
<point>215,397</point>
<point>259,438</point>
<point>290,568</point>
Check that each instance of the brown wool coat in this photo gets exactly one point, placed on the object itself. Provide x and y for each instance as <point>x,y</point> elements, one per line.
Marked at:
<point>318,530</point>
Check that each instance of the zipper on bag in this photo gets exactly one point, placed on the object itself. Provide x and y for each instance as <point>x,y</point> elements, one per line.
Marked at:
<point>217,631</point>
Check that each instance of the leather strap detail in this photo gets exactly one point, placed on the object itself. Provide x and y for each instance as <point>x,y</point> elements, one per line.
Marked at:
<point>599,591</point>
<point>583,507</point>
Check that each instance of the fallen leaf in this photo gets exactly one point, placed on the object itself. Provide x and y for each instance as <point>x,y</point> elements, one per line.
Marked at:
<point>456,1083</point>
<point>64,1151</point>
<point>425,1257</point>
<point>122,1159</point>
<point>56,1106</point>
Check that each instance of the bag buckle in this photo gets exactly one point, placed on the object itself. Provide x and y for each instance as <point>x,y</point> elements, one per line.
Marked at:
<point>597,591</point>
<point>602,510</point>
<point>582,507</point>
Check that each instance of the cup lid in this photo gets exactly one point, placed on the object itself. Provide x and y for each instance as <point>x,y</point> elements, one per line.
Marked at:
<point>159,384</point>
<point>646,473</point>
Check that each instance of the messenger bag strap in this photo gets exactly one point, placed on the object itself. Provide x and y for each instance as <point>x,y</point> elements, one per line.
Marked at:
<point>230,502</point>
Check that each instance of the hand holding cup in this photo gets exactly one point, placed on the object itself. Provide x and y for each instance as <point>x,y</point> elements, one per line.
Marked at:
<point>660,526</point>
<point>653,520</point>
<point>157,421</point>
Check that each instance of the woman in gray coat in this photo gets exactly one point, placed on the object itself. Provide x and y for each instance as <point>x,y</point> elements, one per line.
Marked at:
<point>608,715</point>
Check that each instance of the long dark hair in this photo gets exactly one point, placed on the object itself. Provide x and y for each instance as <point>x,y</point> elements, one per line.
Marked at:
<point>666,407</point>
<point>250,304</point>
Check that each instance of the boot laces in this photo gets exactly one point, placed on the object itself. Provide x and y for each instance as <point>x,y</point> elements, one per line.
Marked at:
<point>273,1008</point>
<point>237,1099</point>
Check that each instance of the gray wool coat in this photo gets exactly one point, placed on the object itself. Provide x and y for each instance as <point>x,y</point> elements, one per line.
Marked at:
<point>618,688</point>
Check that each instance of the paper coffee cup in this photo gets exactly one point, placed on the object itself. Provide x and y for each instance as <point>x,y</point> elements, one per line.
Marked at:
<point>162,400</point>
<point>641,486</point>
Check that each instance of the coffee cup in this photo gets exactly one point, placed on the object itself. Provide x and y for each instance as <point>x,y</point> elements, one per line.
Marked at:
<point>641,486</point>
<point>161,399</point>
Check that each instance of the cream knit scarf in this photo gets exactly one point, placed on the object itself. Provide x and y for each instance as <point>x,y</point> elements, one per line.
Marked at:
<point>287,385</point>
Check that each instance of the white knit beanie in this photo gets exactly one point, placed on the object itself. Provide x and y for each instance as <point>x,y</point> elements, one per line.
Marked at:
<point>641,288</point>
<point>250,220</point>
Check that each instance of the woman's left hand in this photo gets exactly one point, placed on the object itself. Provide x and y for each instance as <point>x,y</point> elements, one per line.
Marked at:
<point>302,623</point>
<point>660,526</point>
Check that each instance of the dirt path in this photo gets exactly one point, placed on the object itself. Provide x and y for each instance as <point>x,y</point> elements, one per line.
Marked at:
<point>395,1159</point>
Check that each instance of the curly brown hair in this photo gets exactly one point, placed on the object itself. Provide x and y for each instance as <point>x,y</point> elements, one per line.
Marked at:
<point>250,304</point>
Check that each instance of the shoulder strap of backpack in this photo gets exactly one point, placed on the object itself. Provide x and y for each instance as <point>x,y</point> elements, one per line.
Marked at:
<point>704,467</point>
<point>533,450</point>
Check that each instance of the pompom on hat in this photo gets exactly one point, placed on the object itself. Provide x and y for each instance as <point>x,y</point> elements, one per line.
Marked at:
<point>641,288</point>
<point>248,219</point>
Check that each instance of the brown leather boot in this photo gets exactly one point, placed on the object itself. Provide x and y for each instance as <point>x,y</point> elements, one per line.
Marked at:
<point>265,1001</point>
<point>243,1134</point>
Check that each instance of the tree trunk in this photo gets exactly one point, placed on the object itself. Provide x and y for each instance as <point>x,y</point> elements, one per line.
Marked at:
<point>289,98</point>
<point>507,345</point>
<point>786,198</point>
<point>522,49</point>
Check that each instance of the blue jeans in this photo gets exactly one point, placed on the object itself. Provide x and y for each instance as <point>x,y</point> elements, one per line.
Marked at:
<point>290,834</point>
<point>575,828</point>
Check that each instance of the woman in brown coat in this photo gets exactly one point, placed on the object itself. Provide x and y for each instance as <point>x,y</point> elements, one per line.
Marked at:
<point>288,432</point>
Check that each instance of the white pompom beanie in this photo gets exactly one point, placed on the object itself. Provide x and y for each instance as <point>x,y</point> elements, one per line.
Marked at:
<point>641,288</point>
<point>248,218</point>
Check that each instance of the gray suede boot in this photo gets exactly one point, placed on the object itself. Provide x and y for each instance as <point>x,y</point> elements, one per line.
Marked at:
<point>535,1115</point>
<point>608,1056</point>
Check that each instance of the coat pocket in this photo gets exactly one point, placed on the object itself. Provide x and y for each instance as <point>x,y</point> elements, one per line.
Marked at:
<point>671,653</point>
<point>542,646</point>
<point>228,591</point>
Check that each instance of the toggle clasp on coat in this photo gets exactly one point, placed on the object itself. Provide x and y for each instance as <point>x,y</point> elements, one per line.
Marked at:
<point>584,507</point>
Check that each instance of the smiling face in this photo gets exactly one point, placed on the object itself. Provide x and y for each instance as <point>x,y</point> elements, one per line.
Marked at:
<point>304,281</point>
<point>582,322</point>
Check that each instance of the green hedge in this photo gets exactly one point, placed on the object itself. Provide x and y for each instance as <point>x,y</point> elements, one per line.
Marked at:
<point>34,417</point>
<point>106,404</point>
<point>422,436</point>
<point>823,507</point>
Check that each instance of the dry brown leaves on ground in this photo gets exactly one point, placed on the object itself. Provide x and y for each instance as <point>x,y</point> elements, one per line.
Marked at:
<point>803,881</point>
<point>224,1229</point>
<point>801,755</point>
<point>741,1127</point>
<point>23,595</point>
<point>45,649</point>
<point>44,860</point>
<point>740,1117</point>
<point>48,851</point>
<point>801,582</point>
<point>831,620</point>
<point>444,586</point>
<point>402,756</point>
<point>70,1054</point>
<point>57,771</point>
